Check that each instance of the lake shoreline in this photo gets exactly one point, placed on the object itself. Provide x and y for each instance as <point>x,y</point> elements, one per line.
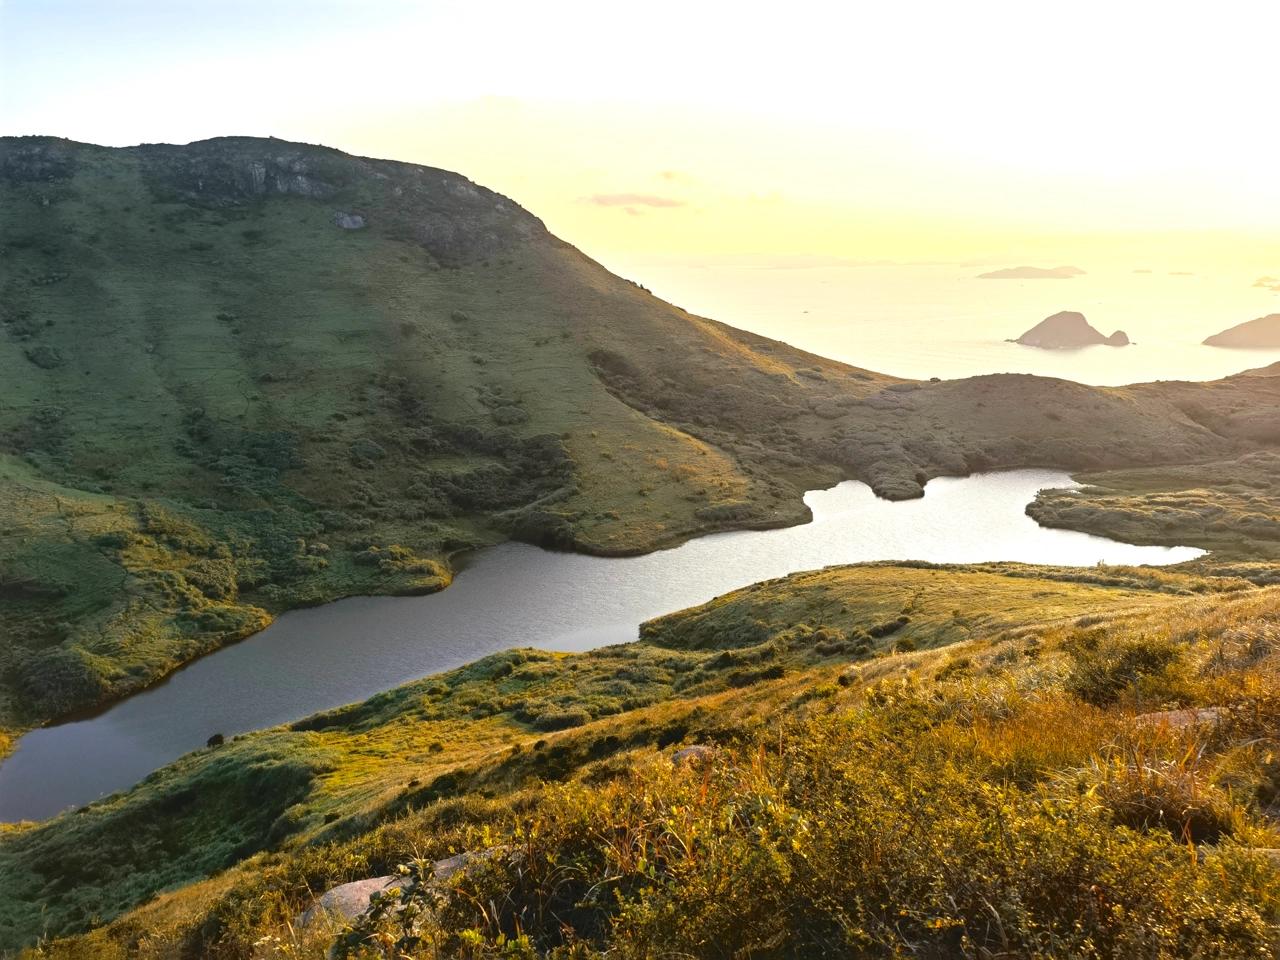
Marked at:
<point>316,659</point>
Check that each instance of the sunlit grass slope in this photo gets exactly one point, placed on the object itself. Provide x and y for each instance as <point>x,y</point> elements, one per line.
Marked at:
<point>1013,650</point>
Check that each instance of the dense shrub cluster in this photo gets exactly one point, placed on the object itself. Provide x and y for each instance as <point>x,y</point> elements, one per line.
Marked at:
<point>881,833</point>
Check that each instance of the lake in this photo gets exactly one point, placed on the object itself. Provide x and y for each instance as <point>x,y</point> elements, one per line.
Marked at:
<point>518,595</point>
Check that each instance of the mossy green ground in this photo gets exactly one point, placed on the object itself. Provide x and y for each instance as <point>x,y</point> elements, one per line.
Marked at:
<point>289,394</point>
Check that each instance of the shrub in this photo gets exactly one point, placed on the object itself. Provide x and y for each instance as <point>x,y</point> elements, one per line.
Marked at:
<point>1147,792</point>
<point>862,839</point>
<point>45,357</point>
<point>561,719</point>
<point>365,452</point>
<point>884,629</point>
<point>1102,670</point>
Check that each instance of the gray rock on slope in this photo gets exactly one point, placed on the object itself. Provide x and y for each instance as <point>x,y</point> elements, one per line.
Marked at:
<point>695,754</point>
<point>348,221</point>
<point>347,901</point>
<point>1260,334</point>
<point>1066,331</point>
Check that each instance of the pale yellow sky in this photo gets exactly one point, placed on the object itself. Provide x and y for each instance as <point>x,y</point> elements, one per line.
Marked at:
<point>979,132</point>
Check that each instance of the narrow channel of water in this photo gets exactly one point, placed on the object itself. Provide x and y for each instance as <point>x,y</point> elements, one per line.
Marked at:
<point>517,595</point>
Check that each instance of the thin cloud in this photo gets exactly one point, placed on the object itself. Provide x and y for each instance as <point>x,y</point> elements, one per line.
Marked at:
<point>1268,283</point>
<point>632,200</point>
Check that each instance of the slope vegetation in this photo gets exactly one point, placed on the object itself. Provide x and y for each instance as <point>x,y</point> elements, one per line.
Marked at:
<point>242,375</point>
<point>895,759</point>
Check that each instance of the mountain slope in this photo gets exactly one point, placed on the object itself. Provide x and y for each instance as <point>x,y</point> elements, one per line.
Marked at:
<point>242,375</point>
<point>253,401</point>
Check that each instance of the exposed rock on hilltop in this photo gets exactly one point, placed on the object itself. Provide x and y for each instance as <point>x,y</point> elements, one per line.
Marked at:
<point>1260,334</point>
<point>453,218</point>
<point>1068,330</point>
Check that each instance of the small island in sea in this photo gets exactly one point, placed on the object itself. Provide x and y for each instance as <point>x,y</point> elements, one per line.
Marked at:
<point>1260,334</point>
<point>1068,330</point>
<point>1032,273</point>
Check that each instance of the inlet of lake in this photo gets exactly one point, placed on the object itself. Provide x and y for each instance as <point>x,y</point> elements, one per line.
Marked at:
<point>516,595</point>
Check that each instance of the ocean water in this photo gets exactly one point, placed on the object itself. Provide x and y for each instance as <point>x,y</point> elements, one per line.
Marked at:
<point>942,321</point>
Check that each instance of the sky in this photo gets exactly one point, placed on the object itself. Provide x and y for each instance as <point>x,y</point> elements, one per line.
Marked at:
<point>985,132</point>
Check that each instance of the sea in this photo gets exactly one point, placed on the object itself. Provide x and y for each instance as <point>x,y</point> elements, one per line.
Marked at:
<point>932,320</point>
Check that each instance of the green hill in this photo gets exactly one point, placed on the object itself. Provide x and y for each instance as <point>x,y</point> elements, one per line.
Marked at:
<point>216,402</point>
<point>243,375</point>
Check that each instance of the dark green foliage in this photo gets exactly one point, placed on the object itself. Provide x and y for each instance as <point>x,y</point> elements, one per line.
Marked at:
<point>45,357</point>
<point>59,679</point>
<point>560,719</point>
<point>1105,667</point>
<point>221,807</point>
<point>880,630</point>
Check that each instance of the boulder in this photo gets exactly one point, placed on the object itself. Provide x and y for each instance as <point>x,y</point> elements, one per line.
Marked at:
<point>1180,719</point>
<point>348,221</point>
<point>694,754</point>
<point>348,900</point>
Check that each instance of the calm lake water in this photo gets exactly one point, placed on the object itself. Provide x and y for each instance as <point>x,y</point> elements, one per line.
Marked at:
<point>518,595</point>
<point>932,320</point>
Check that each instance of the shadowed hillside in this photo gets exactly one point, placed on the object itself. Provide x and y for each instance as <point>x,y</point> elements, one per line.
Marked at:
<point>243,375</point>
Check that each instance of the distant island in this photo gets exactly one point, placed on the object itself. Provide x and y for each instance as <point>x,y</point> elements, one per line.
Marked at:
<point>1260,334</point>
<point>1068,330</point>
<point>1033,273</point>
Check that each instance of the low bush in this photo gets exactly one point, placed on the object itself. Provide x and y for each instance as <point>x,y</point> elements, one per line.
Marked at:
<point>1106,666</point>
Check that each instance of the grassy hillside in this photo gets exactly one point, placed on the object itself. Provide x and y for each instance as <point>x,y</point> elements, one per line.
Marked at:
<point>217,402</point>
<point>243,375</point>
<point>908,759</point>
